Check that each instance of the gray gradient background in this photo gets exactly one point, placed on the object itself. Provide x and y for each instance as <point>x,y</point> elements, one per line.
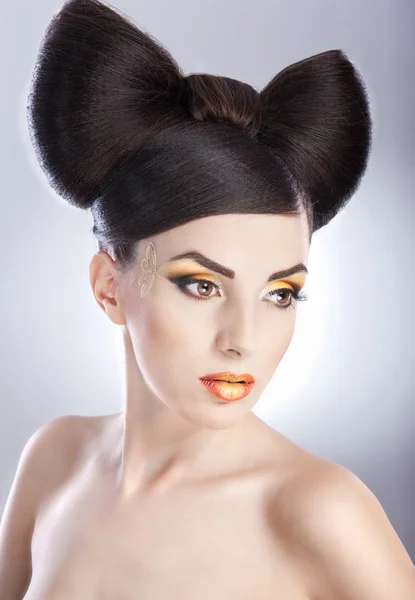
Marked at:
<point>345,388</point>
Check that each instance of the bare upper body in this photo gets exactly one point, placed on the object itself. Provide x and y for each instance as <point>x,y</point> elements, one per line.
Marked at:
<point>285,525</point>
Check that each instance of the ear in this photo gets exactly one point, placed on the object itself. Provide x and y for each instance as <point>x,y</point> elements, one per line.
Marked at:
<point>103,277</point>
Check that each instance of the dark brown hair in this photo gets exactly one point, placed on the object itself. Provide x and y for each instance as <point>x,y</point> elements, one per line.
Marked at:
<point>117,127</point>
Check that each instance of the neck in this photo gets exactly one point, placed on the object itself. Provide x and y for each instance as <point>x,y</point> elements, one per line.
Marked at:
<point>160,449</point>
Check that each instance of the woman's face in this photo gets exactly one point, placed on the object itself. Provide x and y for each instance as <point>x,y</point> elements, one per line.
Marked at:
<point>235,320</point>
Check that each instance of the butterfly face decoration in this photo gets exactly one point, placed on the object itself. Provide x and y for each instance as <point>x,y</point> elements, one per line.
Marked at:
<point>149,266</point>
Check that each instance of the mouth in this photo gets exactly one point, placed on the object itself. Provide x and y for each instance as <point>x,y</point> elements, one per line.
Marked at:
<point>228,386</point>
<point>229,377</point>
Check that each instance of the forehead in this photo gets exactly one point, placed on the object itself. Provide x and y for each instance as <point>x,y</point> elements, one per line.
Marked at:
<point>239,237</point>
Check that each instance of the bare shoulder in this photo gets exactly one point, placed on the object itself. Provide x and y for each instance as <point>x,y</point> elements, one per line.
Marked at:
<point>57,445</point>
<point>46,457</point>
<point>64,434</point>
<point>340,535</point>
<point>44,462</point>
<point>54,450</point>
<point>63,445</point>
<point>71,433</point>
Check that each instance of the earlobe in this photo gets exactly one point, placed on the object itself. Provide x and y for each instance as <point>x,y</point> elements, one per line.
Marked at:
<point>113,310</point>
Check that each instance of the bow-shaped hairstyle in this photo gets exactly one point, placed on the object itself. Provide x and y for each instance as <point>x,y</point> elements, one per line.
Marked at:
<point>117,127</point>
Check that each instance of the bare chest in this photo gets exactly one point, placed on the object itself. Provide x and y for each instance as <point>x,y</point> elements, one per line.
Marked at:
<point>196,543</point>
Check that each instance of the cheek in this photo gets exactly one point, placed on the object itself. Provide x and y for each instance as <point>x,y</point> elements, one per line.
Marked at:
<point>169,330</point>
<point>159,329</point>
<point>278,343</point>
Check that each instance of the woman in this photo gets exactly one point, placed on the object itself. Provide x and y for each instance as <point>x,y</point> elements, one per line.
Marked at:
<point>204,195</point>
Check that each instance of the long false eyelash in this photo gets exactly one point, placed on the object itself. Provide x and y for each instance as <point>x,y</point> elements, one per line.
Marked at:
<point>183,281</point>
<point>299,296</point>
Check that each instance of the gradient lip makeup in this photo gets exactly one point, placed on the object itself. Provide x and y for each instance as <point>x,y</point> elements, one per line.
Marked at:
<point>228,386</point>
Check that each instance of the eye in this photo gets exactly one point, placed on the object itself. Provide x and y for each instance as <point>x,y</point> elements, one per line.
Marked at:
<point>204,287</point>
<point>294,296</point>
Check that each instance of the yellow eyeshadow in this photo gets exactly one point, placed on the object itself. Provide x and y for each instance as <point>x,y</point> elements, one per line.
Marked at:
<point>173,269</point>
<point>294,282</point>
<point>279,284</point>
<point>200,276</point>
<point>179,271</point>
<point>188,267</point>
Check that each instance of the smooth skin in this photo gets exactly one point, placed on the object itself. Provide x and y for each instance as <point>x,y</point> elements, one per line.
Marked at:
<point>178,495</point>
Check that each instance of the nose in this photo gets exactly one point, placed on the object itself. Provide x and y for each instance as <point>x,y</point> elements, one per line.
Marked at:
<point>237,334</point>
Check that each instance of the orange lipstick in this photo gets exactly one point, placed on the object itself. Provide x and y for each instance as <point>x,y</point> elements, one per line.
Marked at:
<point>228,386</point>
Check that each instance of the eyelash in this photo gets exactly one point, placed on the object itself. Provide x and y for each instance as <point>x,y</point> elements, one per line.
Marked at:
<point>183,282</point>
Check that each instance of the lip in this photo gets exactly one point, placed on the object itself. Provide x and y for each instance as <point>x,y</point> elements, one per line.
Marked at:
<point>228,386</point>
<point>229,376</point>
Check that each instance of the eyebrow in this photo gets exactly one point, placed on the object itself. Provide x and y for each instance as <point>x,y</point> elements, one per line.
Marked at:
<point>214,266</point>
